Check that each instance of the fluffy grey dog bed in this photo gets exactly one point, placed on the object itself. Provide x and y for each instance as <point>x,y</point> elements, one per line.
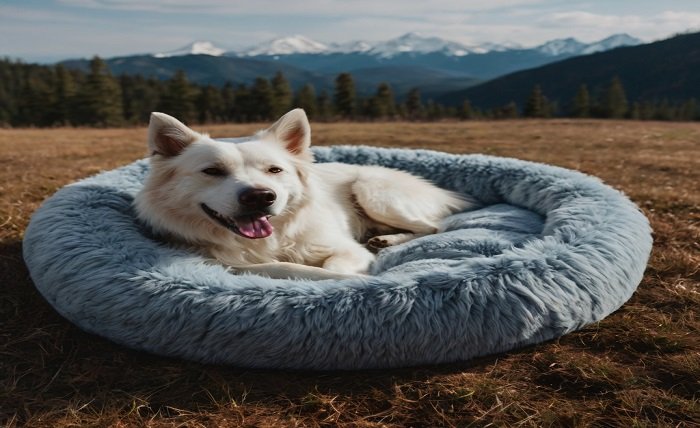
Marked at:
<point>552,251</point>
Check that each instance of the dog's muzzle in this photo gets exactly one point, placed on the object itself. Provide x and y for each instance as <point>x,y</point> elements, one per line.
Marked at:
<point>254,225</point>
<point>257,199</point>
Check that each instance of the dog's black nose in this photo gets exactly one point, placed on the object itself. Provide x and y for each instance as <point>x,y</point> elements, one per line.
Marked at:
<point>257,198</point>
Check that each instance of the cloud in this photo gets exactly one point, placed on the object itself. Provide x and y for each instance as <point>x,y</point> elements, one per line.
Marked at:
<point>118,27</point>
<point>465,29</point>
<point>679,19</point>
<point>14,14</point>
<point>599,25</point>
<point>309,7</point>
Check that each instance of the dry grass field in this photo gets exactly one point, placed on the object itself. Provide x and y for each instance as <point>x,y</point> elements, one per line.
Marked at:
<point>640,367</point>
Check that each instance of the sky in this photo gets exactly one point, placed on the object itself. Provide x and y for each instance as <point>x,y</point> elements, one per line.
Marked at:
<point>52,30</point>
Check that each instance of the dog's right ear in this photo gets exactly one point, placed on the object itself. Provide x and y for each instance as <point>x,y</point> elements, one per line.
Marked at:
<point>168,136</point>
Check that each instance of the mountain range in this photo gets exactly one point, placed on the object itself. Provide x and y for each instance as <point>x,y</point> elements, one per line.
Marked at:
<point>666,70</point>
<point>411,43</point>
<point>432,64</point>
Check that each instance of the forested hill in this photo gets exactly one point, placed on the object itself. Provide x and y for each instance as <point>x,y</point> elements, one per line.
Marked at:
<point>40,95</point>
<point>665,70</point>
<point>204,69</point>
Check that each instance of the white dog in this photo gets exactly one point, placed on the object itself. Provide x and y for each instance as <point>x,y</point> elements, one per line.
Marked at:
<point>262,206</point>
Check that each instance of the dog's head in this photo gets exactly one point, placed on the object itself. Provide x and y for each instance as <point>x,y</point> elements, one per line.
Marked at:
<point>204,190</point>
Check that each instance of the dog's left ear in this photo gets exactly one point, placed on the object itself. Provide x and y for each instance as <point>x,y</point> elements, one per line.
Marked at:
<point>293,131</point>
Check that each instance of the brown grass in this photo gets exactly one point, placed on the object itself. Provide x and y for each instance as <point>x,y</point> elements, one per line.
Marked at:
<point>639,367</point>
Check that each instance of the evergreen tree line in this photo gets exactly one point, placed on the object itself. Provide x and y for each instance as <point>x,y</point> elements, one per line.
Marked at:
<point>611,103</point>
<point>36,95</point>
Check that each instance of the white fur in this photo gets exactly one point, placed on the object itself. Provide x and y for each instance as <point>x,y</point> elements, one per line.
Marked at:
<point>321,214</point>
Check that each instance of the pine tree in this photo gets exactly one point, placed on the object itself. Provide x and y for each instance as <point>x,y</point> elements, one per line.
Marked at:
<point>613,101</point>
<point>178,98</point>
<point>344,97</point>
<point>100,99</point>
<point>8,101</point>
<point>636,111</point>
<point>663,111</point>
<point>5,107</point>
<point>536,104</point>
<point>382,104</point>
<point>127,84</point>
<point>228,99</point>
<point>466,112</point>
<point>582,103</point>
<point>414,107</point>
<point>35,99</point>
<point>140,97</point>
<point>689,110</point>
<point>64,97</point>
<point>647,111</point>
<point>434,111</point>
<point>509,111</point>
<point>306,99</point>
<point>244,110</point>
<point>148,93</point>
<point>262,100</point>
<point>401,111</point>
<point>369,108</point>
<point>282,95</point>
<point>325,107</point>
<point>210,105</point>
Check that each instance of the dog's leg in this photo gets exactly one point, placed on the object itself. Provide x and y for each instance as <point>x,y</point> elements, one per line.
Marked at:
<point>403,201</point>
<point>350,260</point>
<point>284,270</point>
<point>376,243</point>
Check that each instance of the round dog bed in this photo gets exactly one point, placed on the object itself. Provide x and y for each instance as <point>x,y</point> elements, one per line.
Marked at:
<point>551,251</point>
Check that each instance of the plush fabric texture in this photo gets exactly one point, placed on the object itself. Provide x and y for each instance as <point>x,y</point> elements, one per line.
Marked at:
<point>551,251</point>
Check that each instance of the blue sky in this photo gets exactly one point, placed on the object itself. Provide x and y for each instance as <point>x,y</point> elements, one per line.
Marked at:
<point>48,30</point>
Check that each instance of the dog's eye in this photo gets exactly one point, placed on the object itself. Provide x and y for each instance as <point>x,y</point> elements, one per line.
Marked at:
<point>214,171</point>
<point>274,170</point>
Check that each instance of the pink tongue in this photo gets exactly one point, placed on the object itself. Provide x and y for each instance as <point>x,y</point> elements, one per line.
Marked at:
<point>254,227</point>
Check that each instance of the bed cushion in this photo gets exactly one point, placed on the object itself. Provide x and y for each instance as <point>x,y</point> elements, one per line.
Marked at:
<point>551,251</point>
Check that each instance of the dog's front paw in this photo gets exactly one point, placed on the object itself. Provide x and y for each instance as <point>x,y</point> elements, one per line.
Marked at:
<point>377,243</point>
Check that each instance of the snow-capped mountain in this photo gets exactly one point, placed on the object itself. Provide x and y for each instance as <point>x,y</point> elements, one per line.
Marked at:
<point>612,42</point>
<point>350,47</point>
<point>496,47</point>
<point>571,46</point>
<point>286,46</point>
<point>410,43</point>
<point>418,44</point>
<point>302,45</point>
<point>568,46</point>
<point>432,64</point>
<point>194,48</point>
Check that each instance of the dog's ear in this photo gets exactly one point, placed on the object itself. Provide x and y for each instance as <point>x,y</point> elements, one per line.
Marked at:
<point>168,136</point>
<point>293,131</point>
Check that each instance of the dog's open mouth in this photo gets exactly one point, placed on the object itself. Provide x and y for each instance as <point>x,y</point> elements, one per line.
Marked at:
<point>252,226</point>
